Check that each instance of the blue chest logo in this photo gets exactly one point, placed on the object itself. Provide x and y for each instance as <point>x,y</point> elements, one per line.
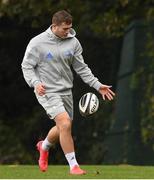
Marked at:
<point>68,53</point>
<point>49,56</point>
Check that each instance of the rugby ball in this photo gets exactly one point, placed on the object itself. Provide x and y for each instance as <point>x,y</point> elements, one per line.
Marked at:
<point>88,104</point>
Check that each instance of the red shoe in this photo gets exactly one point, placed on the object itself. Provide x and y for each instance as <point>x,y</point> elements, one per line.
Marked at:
<point>43,159</point>
<point>77,171</point>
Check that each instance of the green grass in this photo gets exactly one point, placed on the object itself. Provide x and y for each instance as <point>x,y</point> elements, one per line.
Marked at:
<point>93,172</point>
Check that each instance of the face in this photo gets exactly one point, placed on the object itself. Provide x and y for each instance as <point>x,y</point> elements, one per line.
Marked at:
<point>61,30</point>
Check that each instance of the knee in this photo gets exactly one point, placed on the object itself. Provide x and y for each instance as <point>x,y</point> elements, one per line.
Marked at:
<point>64,126</point>
<point>63,122</point>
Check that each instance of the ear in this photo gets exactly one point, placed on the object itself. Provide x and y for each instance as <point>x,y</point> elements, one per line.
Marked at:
<point>54,27</point>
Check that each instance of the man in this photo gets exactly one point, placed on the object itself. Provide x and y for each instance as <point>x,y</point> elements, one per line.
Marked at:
<point>46,67</point>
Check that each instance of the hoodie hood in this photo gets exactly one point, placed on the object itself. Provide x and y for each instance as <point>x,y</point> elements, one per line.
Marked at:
<point>71,34</point>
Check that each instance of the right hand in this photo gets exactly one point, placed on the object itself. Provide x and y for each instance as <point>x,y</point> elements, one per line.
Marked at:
<point>40,89</point>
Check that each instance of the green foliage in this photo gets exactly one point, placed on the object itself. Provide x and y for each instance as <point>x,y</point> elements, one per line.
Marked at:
<point>105,18</point>
<point>142,81</point>
<point>147,104</point>
<point>12,149</point>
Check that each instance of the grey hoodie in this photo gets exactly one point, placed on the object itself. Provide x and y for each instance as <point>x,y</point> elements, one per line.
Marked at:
<point>48,60</point>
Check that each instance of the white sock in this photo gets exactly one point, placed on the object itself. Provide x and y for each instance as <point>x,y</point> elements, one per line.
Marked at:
<point>71,159</point>
<point>46,145</point>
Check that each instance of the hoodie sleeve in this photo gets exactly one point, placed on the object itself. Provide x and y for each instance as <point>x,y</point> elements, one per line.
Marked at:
<point>29,63</point>
<point>82,68</point>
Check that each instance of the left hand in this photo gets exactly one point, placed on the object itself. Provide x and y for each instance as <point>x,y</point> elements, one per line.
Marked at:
<point>106,92</point>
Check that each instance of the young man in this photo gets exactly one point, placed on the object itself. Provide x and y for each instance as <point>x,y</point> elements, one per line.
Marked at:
<point>46,67</point>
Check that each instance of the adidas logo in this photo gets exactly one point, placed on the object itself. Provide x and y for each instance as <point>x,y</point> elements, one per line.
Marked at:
<point>49,56</point>
<point>68,53</point>
<point>72,158</point>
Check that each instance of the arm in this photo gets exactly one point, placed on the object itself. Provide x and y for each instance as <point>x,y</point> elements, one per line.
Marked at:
<point>86,75</point>
<point>29,63</point>
<point>82,69</point>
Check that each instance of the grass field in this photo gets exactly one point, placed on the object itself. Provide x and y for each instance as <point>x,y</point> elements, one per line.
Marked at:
<point>61,172</point>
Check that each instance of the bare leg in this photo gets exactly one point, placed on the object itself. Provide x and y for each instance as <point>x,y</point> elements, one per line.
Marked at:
<point>64,125</point>
<point>53,135</point>
<point>63,131</point>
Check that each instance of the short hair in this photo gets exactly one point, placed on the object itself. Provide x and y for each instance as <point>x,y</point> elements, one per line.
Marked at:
<point>60,17</point>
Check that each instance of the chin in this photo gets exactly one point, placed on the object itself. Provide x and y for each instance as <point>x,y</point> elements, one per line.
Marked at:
<point>63,37</point>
